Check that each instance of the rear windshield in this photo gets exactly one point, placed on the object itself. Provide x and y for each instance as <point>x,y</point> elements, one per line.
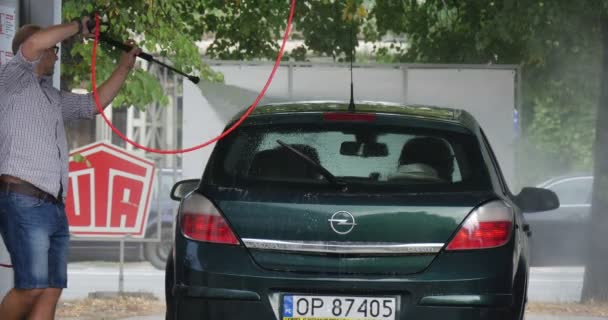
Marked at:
<point>364,157</point>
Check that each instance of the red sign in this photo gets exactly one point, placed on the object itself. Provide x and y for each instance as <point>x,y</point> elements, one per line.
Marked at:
<point>109,193</point>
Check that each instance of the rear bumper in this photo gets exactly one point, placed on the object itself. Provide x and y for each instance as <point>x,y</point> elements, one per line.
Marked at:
<point>230,285</point>
<point>244,296</point>
<point>218,304</point>
<point>485,300</point>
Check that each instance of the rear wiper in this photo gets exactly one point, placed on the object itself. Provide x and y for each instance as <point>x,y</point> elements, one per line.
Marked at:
<point>324,172</point>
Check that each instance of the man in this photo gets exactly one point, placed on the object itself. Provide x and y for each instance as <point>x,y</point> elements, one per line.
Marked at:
<point>34,164</point>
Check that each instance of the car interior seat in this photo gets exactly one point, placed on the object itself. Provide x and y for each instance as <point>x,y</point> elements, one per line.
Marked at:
<point>427,156</point>
<point>283,163</point>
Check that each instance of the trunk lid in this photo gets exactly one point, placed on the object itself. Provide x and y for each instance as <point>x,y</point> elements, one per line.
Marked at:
<point>344,233</point>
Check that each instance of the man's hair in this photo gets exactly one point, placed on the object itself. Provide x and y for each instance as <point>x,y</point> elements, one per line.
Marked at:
<point>23,34</point>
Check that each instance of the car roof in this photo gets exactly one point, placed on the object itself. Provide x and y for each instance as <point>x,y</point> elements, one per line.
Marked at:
<point>424,112</point>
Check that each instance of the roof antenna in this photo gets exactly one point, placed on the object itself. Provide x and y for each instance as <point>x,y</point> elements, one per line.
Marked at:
<point>351,106</point>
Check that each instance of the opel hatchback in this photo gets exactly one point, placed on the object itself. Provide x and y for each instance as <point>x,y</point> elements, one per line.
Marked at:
<point>333,211</point>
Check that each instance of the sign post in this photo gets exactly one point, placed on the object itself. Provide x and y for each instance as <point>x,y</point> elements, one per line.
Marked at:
<point>109,195</point>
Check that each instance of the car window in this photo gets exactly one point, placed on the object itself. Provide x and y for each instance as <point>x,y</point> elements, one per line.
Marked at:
<point>575,191</point>
<point>385,167</point>
<point>367,156</point>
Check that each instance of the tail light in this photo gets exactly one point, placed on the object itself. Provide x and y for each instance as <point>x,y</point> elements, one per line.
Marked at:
<point>200,220</point>
<point>488,226</point>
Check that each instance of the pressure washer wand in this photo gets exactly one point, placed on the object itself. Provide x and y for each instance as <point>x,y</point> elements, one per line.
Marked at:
<point>146,56</point>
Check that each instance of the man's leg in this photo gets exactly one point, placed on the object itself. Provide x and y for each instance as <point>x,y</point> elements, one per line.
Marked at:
<point>28,224</point>
<point>18,303</point>
<point>57,274</point>
<point>45,306</point>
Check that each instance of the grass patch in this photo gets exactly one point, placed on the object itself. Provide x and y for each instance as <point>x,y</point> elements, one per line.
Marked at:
<point>109,308</point>
<point>596,309</point>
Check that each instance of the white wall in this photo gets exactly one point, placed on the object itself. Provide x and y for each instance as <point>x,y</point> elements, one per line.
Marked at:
<point>489,95</point>
<point>203,124</point>
<point>488,92</point>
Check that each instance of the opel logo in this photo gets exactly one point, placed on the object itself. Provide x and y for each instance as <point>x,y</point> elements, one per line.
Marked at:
<point>342,222</point>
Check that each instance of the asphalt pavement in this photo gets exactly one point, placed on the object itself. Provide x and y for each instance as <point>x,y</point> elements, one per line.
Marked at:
<point>556,284</point>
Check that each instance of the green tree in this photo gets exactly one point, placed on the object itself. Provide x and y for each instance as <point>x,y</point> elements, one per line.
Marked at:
<point>557,43</point>
<point>170,29</point>
<point>327,25</point>
<point>241,30</point>
<point>595,286</point>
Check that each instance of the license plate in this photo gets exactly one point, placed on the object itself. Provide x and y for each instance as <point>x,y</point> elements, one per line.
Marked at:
<point>309,307</point>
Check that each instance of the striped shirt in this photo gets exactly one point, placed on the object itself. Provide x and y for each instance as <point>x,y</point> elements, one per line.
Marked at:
<point>33,145</point>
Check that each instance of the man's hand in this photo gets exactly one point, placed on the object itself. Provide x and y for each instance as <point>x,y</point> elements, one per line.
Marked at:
<point>86,33</point>
<point>127,59</point>
<point>109,89</point>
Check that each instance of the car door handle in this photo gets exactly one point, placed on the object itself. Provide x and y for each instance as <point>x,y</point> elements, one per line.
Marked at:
<point>526,229</point>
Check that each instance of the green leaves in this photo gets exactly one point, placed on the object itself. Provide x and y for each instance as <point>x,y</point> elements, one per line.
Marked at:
<point>326,26</point>
<point>555,42</point>
<point>79,158</point>
<point>154,26</point>
<point>245,30</point>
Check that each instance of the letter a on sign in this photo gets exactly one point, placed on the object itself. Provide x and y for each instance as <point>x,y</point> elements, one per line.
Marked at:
<point>109,192</point>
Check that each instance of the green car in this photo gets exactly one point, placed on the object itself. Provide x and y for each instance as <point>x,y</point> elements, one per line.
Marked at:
<point>317,210</point>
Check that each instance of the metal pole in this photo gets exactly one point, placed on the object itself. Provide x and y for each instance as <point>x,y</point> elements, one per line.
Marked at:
<point>290,81</point>
<point>159,166</point>
<point>159,214</point>
<point>519,140</point>
<point>404,71</point>
<point>176,82</point>
<point>121,276</point>
<point>175,122</point>
<point>165,134</point>
<point>175,126</point>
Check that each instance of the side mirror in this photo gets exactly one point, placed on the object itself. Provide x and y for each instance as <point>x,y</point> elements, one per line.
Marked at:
<point>536,199</point>
<point>182,188</point>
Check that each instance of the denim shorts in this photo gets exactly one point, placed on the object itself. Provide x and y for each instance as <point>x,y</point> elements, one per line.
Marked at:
<point>36,234</point>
